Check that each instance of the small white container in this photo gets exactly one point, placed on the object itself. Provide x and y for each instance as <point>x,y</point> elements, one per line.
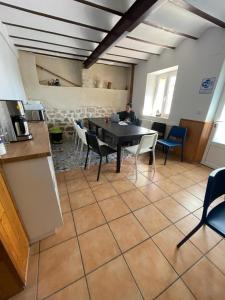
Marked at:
<point>2,147</point>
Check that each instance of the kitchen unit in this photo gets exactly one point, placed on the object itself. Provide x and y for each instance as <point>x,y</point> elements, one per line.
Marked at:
<point>14,245</point>
<point>29,172</point>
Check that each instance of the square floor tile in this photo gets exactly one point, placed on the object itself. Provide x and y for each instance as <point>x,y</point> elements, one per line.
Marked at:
<point>113,208</point>
<point>189,201</point>
<point>170,208</point>
<point>128,232</point>
<point>204,239</point>
<point>97,247</point>
<point>166,171</point>
<point>122,186</point>
<point>77,290</point>
<point>182,180</point>
<point>113,281</point>
<point>30,291</point>
<point>73,174</point>
<point>168,186</point>
<point>141,180</point>
<point>104,191</point>
<point>217,255</point>
<point>134,199</point>
<point>154,176</point>
<point>150,269</point>
<point>62,188</point>
<point>77,184</point>
<point>58,267</point>
<point>197,190</point>
<point>198,213</point>
<point>153,192</point>
<point>63,233</point>
<point>65,203</point>
<point>177,291</point>
<point>60,177</point>
<point>196,174</point>
<point>81,198</point>
<point>205,281</point>
<point>144,167</point>
<point>184,257</point>
<point>88,217</point>
<point>152,219</point>
<point>112,175</point>
<point>92,179</point>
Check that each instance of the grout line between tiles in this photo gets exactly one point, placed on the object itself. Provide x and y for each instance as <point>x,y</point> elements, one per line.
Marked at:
<point>120,249</point>
<point>172,223</point>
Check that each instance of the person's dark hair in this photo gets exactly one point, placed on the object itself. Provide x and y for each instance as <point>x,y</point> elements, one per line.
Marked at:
<point>129,104</point>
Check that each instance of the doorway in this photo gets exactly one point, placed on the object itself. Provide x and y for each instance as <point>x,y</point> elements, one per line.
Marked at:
<point>214,155</point>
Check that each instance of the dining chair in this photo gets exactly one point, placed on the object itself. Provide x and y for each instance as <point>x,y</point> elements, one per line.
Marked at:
<point>175,138</point>
<point>160,128</point>
<point>147,144</point>
<point>102,149</point>
<point>215,219</point>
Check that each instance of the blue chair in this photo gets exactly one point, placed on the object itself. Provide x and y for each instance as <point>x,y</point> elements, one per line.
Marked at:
<point>176,138</point>
<point>215,219</point>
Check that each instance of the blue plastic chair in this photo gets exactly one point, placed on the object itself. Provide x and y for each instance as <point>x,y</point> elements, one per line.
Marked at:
<point>215,219</point>
<point>176,138</point>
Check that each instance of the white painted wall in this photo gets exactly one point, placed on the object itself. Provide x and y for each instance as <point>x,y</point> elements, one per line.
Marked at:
<point>196,60</point>
<point>11,86</point>
<point>66,97</point>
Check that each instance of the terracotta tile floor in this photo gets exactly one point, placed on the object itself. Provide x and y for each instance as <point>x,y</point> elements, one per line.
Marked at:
<point>119,238</point>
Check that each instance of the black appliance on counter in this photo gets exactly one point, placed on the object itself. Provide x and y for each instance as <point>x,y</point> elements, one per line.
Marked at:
<point>13,123</point>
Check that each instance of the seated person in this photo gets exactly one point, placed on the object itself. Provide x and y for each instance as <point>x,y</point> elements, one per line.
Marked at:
<point>127,115</point>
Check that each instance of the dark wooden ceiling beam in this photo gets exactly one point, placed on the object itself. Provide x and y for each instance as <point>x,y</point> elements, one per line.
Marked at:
<point>50,32</point>
<point>133,16</point>
<point>101,7</point>
<point>200,13</point>
<point>150,43</point>
<point>49,43</point>
<point>54,17</point>
<point>170,30</point>
<point>136,50</point>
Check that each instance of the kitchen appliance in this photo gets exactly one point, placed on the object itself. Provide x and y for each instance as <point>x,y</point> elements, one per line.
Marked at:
<point>34,111</point>
<point>13,123</point>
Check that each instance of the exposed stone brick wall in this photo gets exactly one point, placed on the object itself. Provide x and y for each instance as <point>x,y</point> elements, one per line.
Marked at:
<point>64,118</point>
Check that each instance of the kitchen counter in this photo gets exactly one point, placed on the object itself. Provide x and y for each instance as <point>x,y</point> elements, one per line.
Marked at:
<point>30,175</point>
<point>38,147</point>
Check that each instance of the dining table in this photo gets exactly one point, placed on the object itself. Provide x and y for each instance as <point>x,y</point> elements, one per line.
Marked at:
<point>122,134</point>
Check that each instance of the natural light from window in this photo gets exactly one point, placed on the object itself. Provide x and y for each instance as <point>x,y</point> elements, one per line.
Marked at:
<point>219,136</point>
<point>159,92</point>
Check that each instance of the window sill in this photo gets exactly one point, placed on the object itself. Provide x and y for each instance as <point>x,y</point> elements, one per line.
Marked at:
<point>155,117</point>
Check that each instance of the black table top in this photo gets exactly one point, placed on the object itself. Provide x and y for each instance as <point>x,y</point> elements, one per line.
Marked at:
<point>121,131</point>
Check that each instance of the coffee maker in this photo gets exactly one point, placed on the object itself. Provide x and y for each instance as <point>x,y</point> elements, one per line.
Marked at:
<point>13,122</point>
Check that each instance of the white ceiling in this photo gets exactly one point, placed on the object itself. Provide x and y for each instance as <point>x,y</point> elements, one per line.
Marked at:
<point>73,29</point>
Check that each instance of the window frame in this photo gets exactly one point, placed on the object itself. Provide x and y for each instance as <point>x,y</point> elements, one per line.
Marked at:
<point>167,76</point>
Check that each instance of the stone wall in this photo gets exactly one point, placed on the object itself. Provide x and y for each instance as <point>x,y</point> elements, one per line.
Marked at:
<point>64,118</point>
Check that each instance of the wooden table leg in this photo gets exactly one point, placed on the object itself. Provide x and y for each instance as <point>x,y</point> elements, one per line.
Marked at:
<point>118,159</point>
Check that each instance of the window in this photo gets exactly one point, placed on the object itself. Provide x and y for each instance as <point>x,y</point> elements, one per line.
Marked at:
<point>159,93</point>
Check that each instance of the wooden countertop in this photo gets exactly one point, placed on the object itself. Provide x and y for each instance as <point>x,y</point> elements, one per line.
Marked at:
<point>38,147</point>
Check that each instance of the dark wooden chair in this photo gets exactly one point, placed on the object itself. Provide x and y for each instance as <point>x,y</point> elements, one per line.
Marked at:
<point>215,219</point>
<point>160,128</point>
<point>101,150</point>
